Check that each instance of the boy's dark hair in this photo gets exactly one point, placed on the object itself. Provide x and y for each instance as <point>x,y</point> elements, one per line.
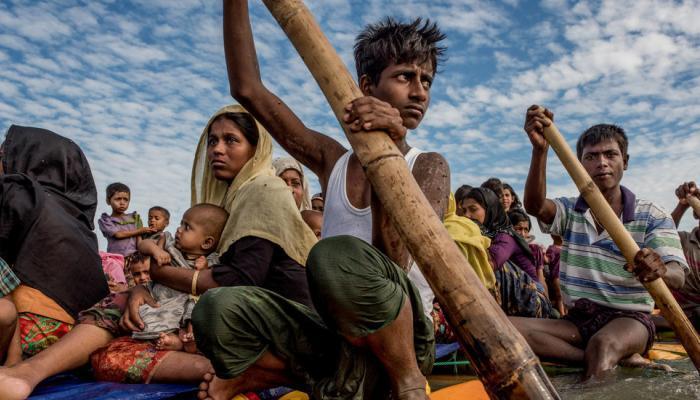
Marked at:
<point>137,258</point>
<point>161,210</point>
<point>244,121</point>
<point>600,132</point>
<point>461,193</point>
<point>390,41</point>
<point>516,199</point>
<point>517,216</point>
<point>494,184</point>
<point>116,187</point>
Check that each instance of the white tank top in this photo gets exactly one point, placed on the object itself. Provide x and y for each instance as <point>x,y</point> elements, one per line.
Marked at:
<point>339,216</point>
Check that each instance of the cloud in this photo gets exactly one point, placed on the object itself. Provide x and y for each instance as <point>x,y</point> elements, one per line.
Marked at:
<point>134,82</point>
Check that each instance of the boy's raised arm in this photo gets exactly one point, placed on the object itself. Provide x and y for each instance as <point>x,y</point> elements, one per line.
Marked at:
<point>682,192</point>
<point>535,201</point>
<point>316,151</point>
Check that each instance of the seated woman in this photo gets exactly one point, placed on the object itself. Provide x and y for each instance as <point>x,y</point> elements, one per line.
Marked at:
<point>233,170</point>
<point>291,172</point>
<point>47,208</point>
<point>520,293</point>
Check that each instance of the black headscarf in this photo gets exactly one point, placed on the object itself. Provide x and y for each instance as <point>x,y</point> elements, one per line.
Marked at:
<point>496,221</point>
<point>47,207</point>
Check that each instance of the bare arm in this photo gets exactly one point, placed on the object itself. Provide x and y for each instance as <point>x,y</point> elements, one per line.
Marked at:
<point>316,151</point>
<point>534,199</point>
<point>432,173</point>
<point>682,192</point>
<point>128,234</point>
<point>675,276</point>
<point>181,278</point>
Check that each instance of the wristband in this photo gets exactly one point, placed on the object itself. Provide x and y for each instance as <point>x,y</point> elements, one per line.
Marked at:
<point>194,282</point>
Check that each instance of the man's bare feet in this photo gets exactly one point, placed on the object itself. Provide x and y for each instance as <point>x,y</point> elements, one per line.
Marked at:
<point>213,388</point>
<point>637,361</point>
<point>169,341</point>
<point>14,384</point>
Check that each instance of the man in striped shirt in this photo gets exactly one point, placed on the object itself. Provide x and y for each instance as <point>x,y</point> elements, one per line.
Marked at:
<point>609,309</point>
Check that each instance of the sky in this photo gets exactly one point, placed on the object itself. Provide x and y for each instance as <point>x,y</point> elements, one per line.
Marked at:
<point>134,83</point>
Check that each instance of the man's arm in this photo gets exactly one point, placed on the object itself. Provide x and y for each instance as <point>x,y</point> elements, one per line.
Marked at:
<point>682,192</point>
<point>534,199</point>
<point>432,173</point>
<point>316,151</point>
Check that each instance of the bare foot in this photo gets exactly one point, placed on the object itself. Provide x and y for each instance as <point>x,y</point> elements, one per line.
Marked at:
<point>411,394</point>
<point>637,361</point>
<point>187,338</point>
<point>14,386</point>
<point>213,388</point>
<point>169,341</point>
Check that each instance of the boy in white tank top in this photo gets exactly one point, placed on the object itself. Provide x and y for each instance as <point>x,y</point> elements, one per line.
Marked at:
<point>396,63</point>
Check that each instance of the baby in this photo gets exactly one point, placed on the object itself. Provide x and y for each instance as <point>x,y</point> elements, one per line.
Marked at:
<point>195,241</point>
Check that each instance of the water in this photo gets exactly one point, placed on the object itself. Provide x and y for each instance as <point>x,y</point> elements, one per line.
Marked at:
<point>634,384</point>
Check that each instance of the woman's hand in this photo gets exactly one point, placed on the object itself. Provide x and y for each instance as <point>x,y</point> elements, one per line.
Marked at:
<point>131,319</point>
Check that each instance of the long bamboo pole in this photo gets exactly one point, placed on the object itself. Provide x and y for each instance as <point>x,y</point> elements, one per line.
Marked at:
<point>502,358</point>
<point>694,204</point>
<point>599,206</point>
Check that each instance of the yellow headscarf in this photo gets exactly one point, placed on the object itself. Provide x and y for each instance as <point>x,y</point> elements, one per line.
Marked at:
<point>282,164</point>
<point>259,203</point>
<point>471,243</point>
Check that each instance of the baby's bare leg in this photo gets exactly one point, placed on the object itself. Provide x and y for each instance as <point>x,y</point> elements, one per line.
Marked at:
<point>169,341</point>
<point>8,324</point>
<point>187,337</point>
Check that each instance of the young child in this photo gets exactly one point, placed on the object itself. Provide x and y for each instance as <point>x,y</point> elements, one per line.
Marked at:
<point>522,226</point>
<point>122,230</point>
<point>317,202</point>
<point>314,219</point>
<point>194,245</point>
<point>140,268</point>
<point>689,295</point>
<point>608,320</point>
<point>158,220</point>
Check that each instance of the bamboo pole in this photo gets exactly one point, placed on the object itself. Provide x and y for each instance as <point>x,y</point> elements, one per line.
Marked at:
<point>500,355</point>
<point>694,204</point>
<point>606,216</point>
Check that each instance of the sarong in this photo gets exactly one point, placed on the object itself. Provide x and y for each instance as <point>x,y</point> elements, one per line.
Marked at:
<point>356,290</point>
<point>37,332</point>
<point>518,295</point>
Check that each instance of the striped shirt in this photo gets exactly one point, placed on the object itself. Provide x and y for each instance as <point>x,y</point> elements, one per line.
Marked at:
<point>592,266</point>
<point>689,296</point>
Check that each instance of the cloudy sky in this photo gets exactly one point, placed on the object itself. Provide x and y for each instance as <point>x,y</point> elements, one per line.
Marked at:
<point>133,82</point>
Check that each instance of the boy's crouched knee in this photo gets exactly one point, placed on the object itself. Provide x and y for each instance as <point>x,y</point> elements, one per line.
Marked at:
<point>8,314</point>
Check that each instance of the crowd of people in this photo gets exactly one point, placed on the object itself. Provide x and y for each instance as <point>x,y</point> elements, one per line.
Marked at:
<point>263,285</point>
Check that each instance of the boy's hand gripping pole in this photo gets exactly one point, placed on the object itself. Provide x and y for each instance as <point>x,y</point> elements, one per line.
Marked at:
<point>612,224</point>
<point>505,363</point>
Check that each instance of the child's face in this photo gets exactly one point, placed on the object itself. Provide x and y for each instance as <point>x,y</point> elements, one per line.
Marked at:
<point>228,150</point>
<point>604,162</point>
<point>190,235</point>
<point>317,205</point>
<point>406,87</point>
<point>141,272</point>
<point>474,211</point>
<point>506,199</point>
<point>293,180</point>
<point>157,220</point>
<point>522,228</point>
<point>119,202</point>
